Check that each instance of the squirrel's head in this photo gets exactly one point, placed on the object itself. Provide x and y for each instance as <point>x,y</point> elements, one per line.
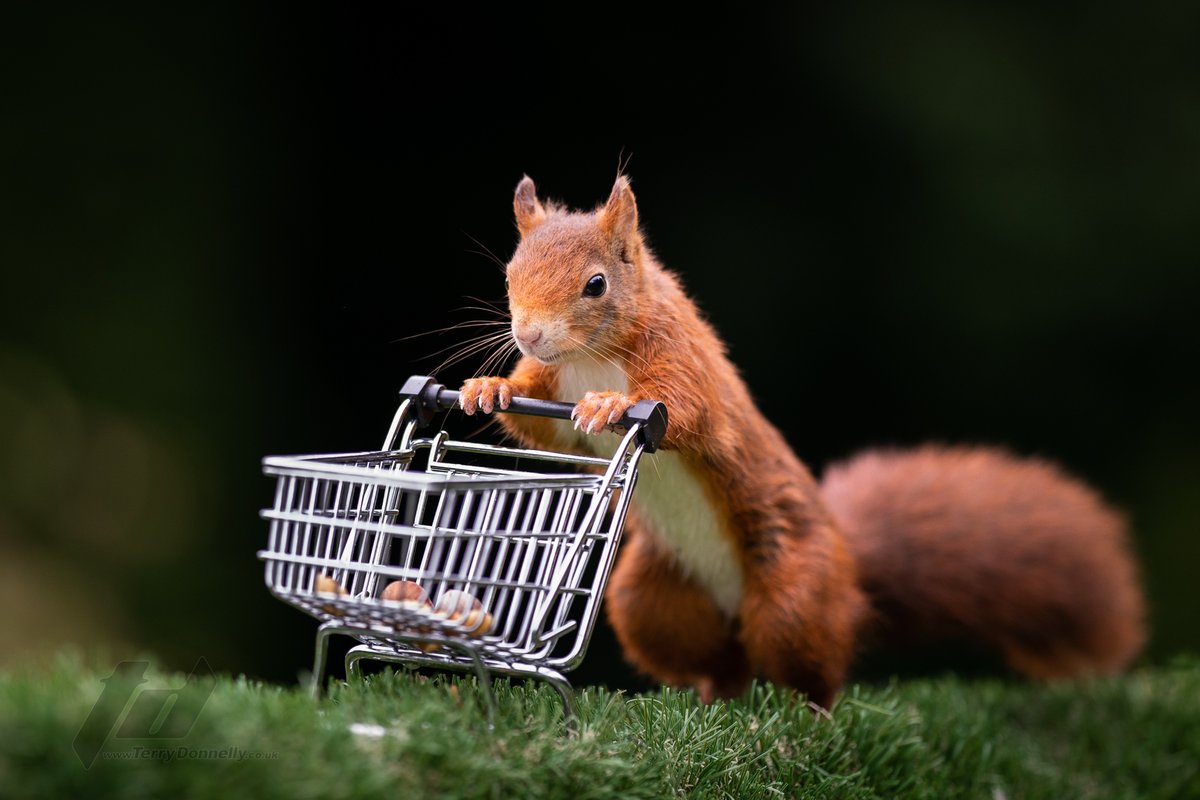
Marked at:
<point>575,278</point>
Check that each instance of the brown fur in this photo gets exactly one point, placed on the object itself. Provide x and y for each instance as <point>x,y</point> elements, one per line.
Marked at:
<point>802,606</point>
<point>656,603</point>
<point>974,543</point>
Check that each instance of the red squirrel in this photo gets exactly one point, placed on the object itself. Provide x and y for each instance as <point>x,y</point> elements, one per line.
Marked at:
<point>736,562</point>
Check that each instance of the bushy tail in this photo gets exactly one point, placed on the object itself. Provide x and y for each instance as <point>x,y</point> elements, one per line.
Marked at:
<point>1008,552</point>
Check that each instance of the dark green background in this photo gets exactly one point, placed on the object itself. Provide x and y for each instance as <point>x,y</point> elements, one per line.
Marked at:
<point>909,221</point>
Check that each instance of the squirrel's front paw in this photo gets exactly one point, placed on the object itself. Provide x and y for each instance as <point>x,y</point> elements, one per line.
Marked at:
<point>485,394</point>
<point>598,409</point>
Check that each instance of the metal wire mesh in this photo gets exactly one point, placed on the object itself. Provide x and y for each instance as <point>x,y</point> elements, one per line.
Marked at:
<point>531,550</point>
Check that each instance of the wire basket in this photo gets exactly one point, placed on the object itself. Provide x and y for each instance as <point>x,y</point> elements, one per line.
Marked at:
<point>466,563</point>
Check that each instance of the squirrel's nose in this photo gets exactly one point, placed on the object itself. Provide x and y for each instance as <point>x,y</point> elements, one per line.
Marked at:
<point>529,334</point>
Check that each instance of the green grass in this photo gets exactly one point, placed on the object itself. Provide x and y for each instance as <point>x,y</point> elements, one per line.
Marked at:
<point>1136,737</point>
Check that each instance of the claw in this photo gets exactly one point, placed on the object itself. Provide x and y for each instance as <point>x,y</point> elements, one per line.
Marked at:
<point>598,410</point>
<point>483,395</point>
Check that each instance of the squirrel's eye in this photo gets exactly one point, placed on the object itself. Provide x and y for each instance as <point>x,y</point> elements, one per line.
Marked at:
<point>506,283</point>
<point>595,286</point>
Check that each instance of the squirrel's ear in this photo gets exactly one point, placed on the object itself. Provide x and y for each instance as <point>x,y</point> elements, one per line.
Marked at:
<point>528,210</point>
<point>618,218</point>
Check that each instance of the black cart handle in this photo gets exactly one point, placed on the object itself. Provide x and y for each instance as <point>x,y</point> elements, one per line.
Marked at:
<point>429,397</point>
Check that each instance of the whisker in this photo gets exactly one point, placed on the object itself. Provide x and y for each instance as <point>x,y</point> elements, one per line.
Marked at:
<point>490,305</point>
<point>495,335</point>
<point>496,356</point>
<point>497,359</point>
<point>488,256</point>
<point>487,250</point>
<point>480,345</point>
<point>448,328</point>
<point>503,314</point>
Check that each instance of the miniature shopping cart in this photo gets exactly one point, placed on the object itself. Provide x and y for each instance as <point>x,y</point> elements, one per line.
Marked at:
<point>500,568</point>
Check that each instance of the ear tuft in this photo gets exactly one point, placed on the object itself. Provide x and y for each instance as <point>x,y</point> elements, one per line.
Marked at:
<point>526,207</point>
<point>619,216</point>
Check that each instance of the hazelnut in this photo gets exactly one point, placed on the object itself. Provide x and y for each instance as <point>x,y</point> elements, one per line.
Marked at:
<point>466,610</point>
<point>327,585</point>
<point>455,604</point>
<point>411,596</point>
<point>478,623</point>
<point>406,591</point>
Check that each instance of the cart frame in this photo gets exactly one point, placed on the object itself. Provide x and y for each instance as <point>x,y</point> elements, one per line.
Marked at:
<point>536,547</point>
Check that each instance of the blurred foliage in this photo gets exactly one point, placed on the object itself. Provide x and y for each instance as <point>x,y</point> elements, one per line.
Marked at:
<point>909,221</point>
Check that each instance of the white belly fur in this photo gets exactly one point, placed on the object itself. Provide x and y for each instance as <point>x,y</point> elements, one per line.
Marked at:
<point>670,498</point>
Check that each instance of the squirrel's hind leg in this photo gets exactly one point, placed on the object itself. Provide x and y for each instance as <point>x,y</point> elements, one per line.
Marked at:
<point>800,616</point>
<point>668,626</point>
